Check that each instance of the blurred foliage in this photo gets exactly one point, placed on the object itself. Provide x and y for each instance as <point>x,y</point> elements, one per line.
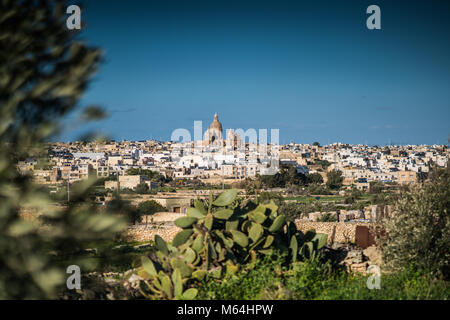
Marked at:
<point>351,196</point>
<point>123,208</point>
<point>44,70</point>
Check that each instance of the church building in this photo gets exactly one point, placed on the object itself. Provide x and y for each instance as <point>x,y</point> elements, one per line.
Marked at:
<point>214,136</point>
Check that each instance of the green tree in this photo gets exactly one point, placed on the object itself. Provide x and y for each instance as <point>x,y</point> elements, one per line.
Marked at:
<point>266,197</point>
<point>287,175</point>
<point>352,196</point>
<point>148,208</point>
<point>142,188</point>
<point>328,217</point>
<point>376,187</point>
<point>151,175</point>
<point>43,72</point>
<point>334,179</point>
<point>323,163</point>
<point>314,178</point>
<point>318,189</point>
<point>292,189</point>
<point>251,186</point>
<point>291,176</point>
<point>291,210</point>
<point>273,181</point>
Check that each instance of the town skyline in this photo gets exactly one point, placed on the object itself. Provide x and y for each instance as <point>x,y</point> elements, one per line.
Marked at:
<point>204,129</point>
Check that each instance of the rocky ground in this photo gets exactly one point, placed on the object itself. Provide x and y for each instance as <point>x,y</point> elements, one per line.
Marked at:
<point>352,258</point>
<point>106,286</point>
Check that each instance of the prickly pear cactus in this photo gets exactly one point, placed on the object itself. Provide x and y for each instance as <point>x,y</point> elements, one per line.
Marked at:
<point>218,236</point>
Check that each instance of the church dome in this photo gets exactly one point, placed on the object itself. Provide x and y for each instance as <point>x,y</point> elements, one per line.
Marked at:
<point>216,123</point>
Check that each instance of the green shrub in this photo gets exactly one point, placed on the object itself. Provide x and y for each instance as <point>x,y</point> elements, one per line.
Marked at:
<point>249,284</point>
<point>328,217</point>
<point>266,197</point>
<point>314,178</point>
<point>405,284</point>
<point>142,188</point>
<point>349,200</point>
<point>419,231</point>
<point>318,189</point>
<point>270,279</point>
<point>376,187</point>
<point>291,210</point>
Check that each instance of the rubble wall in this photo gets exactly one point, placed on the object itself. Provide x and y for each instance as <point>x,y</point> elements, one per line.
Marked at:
<point>344,232</point>
<point>143,233</point>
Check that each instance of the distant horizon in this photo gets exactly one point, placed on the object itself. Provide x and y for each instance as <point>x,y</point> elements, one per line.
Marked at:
<point>310,69</point>
<point>293,142</point>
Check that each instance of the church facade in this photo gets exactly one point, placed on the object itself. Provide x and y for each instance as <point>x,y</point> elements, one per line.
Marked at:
<point>214,136</point>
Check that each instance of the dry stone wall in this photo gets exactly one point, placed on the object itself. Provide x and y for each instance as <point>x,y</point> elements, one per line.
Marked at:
<point>142,233</point>
<point>337,231</point>
<point>162,224</point>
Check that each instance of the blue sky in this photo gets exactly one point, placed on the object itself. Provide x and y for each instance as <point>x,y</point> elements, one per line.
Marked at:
<point>311,69</point>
